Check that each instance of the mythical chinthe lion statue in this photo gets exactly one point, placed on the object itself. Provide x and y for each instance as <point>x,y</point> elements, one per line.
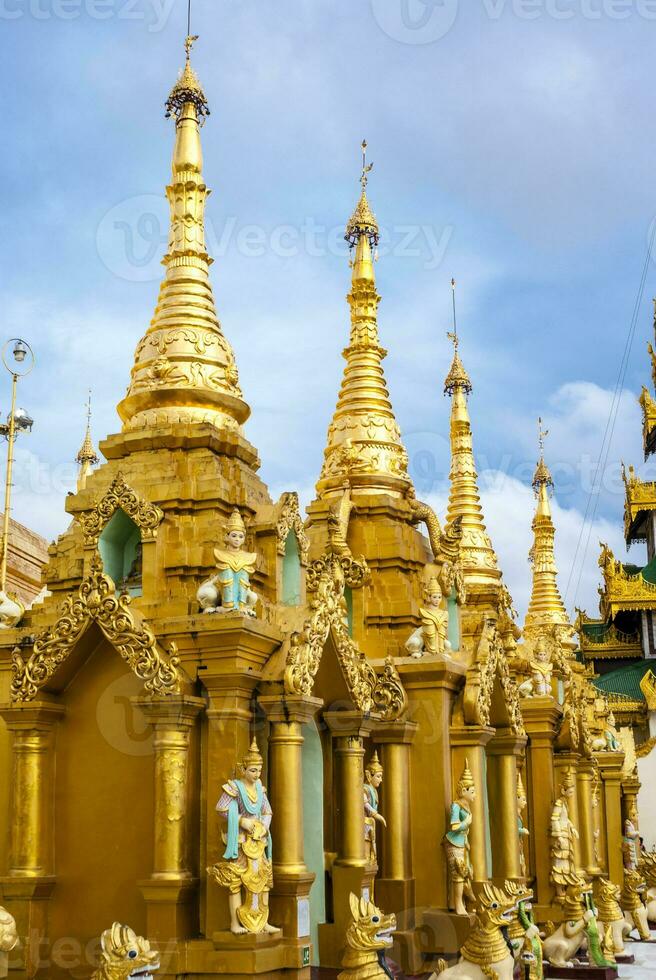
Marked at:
<point>609,913</point>
<point>632,902</point>
<point>578,930</point>
<point>487,954</point>
<point>125,956</point>
<point>523,933</point>
<point>369,936</point>
<point>647,868</point>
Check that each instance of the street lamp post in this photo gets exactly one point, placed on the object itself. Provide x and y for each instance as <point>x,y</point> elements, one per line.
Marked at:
<point>18,359</point>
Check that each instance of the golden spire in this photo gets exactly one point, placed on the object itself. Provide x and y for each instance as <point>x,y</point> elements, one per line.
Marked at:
<point>87,457</point>
<point>477,555</point>
<point>364,441</point>
<point>546,607</point>
<point>184,369</point>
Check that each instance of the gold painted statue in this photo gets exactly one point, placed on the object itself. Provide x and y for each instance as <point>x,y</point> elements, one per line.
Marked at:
<point>633,904</point>
<point>522,803</point>
<point>246,869</point>
<point>540,667</point>
<point>229,590</point>
<point>431,637</point>
<point>609,912</point>
<point>457,843</point>
<point>486,953</point>
<point>563,835</point>
<point>373,778</point>
<point>8,940</point>
<point>368,937</point>
<point>125,956</point>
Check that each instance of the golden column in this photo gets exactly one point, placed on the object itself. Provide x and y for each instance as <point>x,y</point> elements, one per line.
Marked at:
<point>349,871</point>
<point>395,886</point>
<point>468,744</point>
<point>541,719</point>
<point>630,790</point>
<point>28,885</point>
<point>169,889</point>
<point>290,904</point>
<point>585,781</point>
<point>502,754</point>
<point>610,766</point>
<point>564,761</point>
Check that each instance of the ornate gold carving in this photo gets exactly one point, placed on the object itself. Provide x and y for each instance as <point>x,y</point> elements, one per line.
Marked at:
<point>290,519</point>
<point>123,955</point>
<point>369,935</point>
<point>490,665</point>
<point>327,578</point>
<point>145,515</point>
<point>96,601</point>
<point>640,497</point>
<point>622,590</point>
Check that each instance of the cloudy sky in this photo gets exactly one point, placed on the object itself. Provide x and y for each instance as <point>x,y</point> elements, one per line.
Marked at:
<point>514,149</point>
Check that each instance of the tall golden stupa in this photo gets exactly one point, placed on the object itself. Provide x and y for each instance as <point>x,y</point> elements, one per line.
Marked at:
<point>232,728</point>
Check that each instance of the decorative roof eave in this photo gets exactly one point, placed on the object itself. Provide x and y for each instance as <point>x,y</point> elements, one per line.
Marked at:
<point>640,499</point>
<point>120,496</point>
<point>377,694</point>
<point>96,602</point>
<point>623,591</point>
<point>612,651</point>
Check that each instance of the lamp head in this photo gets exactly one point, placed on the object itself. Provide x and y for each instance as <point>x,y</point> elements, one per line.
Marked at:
<point>22,420</point>
<point>19,351</point>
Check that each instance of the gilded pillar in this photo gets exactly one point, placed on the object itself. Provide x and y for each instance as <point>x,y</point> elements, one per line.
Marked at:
<point>349,869</point>
<point>502,754</point>
<point>468,745</point>
<point>395,885</point>
<point>585,781</point>
<point>564,761</point>
<point>610,768</point>
<point>30,879</point>
<point>541,719</point>
<point>431,687</point>
<point>290,903</point>
<point>169,890</point>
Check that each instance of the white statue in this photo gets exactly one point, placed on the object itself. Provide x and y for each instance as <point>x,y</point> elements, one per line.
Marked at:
<point>229,589</point>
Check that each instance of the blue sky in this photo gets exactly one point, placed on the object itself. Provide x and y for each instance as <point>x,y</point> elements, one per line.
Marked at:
<point>513,147</point>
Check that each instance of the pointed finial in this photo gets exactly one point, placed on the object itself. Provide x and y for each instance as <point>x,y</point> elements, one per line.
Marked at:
<point>542,476</point>
<point>457,376</point>
<point>366,170</point>
<point>542,435</point>
<point>188,89</point>
<point>362,222</point>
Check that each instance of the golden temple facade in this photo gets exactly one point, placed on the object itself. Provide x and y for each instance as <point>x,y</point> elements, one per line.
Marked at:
<point>366,640</point>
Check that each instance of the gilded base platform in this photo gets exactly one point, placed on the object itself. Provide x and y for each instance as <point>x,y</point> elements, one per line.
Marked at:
<point>239,957</point>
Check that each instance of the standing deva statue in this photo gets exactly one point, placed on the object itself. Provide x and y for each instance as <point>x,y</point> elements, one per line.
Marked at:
<point>246,866</point>
<point>456,841</point>
<point>373,778</point>
<point>431,637</point>
<point>522,803</point>
<point>229,589</point>
<point>563,834</point>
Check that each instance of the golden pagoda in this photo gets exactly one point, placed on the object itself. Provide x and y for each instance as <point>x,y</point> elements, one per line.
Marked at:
<point>230,728</point>
<point>619,644</point>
